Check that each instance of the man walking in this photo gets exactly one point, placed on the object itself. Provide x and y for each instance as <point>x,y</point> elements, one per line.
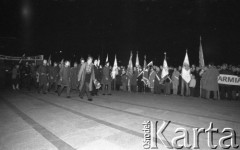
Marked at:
<point>86,77</point>
<point>65,79</point>
<point>42,72</point>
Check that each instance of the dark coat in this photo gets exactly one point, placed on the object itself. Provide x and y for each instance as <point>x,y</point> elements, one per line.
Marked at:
<point>65,76</point>
<point>74,77</point>
<point>53,74</point>
<point>97,73</point>
<point>125,79</point>
<point>133,80</point>
<point>43,74</point>
<point>106,78</point>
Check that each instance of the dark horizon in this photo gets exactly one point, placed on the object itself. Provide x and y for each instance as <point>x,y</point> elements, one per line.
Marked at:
<point>96,28</point>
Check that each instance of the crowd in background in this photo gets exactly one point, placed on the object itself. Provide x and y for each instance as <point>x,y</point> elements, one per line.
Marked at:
<point>55,77</point>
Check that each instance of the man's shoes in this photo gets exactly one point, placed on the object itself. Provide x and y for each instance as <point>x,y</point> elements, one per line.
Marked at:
<point>81,97</point>
<point>68,96</point>
<point>103,94</point>
<point>109,94</point>
<point>89,99</point>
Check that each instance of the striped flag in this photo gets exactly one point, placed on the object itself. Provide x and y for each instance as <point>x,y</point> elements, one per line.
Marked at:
<point>186,74</point>
<point>201,58</point>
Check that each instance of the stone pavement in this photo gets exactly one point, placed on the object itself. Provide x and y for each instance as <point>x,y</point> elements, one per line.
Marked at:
<point>31,121</point>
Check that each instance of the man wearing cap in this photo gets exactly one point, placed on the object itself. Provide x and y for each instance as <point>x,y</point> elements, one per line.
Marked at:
<point>86,77</point>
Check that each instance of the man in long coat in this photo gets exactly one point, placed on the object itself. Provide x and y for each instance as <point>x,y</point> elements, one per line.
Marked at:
<point>26,76</point>
<point>65,79</point>
<point>86,77</point>
<point>74,76</point>
<point>43,77</point>
<point>53,76</point>
<point>210,83</point>
<point>106,79</point>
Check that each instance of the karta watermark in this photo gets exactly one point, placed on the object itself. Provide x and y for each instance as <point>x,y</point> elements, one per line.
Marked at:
<point>152,133</point>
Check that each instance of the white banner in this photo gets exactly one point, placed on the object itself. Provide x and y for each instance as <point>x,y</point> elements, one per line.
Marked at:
<point>39,57</point>
<point>228,79</point>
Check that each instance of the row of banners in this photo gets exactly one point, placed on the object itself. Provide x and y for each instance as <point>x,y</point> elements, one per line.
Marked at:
<point>228,79</point>
<point>38,57</point>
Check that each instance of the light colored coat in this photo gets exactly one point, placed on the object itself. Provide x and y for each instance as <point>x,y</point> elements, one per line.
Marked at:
<point>82,75</point>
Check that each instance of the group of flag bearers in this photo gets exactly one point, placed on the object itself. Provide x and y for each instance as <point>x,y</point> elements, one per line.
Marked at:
<point>186,80</point>
<point>87,77</point>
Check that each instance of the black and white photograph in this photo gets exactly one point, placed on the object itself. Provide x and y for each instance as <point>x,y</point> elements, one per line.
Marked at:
<point>119,74</point>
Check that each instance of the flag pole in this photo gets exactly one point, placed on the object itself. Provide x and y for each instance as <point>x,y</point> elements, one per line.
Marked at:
<point>200,92</point>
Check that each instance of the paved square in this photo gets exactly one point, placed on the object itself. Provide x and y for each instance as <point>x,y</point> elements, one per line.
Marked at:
<point>47,122</point>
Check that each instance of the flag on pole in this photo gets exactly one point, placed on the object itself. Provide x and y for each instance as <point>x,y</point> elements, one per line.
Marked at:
<point>186,74</point>
<point>144,63</point>
<point>107,58</point>
<point>165,67</point>
<point>201,58</point>
<point>137,60</point>
<point>115,68</point>
<point>98,61</point>
<point>130,66</point>
<point>145,72</point>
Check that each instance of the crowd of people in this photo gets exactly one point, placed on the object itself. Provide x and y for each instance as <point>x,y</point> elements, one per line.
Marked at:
<point>89,77</point>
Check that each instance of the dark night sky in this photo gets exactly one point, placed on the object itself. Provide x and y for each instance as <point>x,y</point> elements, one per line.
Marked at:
<point>100,27</point>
